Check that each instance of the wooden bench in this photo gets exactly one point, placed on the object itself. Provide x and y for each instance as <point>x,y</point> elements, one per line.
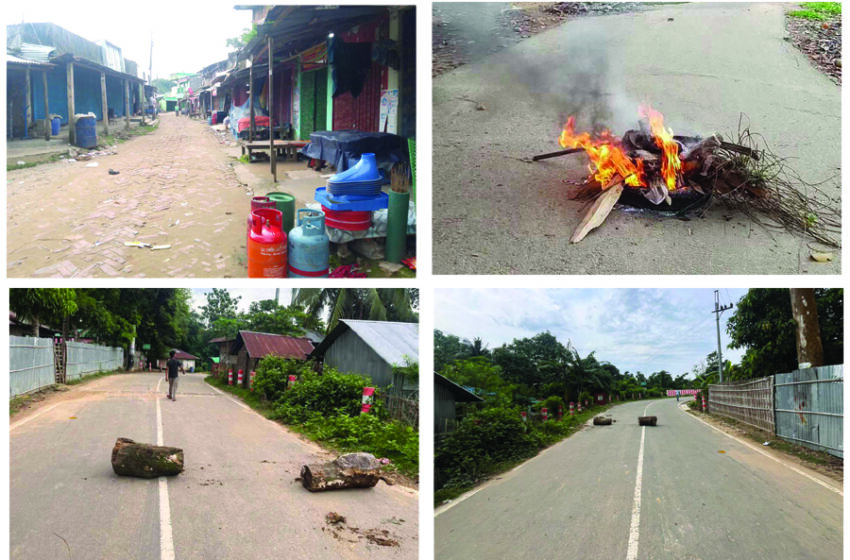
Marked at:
<point>287,148</point>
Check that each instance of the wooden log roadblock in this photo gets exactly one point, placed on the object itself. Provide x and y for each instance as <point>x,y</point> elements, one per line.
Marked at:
<point>354,470</point>
<point>144,460</point>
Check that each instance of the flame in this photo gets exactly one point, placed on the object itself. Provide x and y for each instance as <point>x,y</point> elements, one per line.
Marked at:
<point>606,155</point>
<point>671,165</point>
<point>609,160</point>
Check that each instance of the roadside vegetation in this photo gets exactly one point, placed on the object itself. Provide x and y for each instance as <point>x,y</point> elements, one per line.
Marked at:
<point>817,10</point>
<point>326,409</point>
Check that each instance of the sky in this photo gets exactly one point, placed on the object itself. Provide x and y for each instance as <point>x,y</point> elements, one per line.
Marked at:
<point>247,294</point>
<point>644,330</point>
<point>187,35</point>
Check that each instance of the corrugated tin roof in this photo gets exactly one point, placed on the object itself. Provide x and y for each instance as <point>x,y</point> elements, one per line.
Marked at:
<point>260,345</point>
<point>394,342</point>
<point>181,355</point>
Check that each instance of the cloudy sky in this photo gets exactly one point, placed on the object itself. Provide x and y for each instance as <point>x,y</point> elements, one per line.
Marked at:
<point>248,295</point>
<point>187,35</point>
<point>634,329</point>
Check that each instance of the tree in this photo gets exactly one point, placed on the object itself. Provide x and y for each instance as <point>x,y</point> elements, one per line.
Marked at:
<point>763,323</point>
<point>373,304</point>
<point>805,313</point>
<point>55,305</point>
<point>162,85</point>
<point>447,348</point>
<point>522,359</point>
<point>219,304</point>
<point>269,317</point>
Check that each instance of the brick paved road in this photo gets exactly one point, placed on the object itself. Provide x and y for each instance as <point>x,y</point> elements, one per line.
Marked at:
<point>175,186</point>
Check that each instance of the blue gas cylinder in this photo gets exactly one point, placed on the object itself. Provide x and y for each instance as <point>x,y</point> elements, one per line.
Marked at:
<point>309,246</point>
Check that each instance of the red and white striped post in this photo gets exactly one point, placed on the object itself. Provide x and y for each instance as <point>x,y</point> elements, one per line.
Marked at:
<point>545,412</point>
<point>291,381</point>
<point>230,377</point>
<point>572,411</point>
<point>241,378</point>
<point>560,413</point>
<point>368,394</point>
<point>524,416</point>
<point>703,403</point>
<point>251,380</point>
<point>579,407</point>
<point>585,403</point>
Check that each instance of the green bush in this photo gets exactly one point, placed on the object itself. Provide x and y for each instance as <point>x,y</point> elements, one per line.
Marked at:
<point>551,404</point>
<point>273,374</point>
<point>482,440</point>
<point>393,440</point>
<point>585,397</point>
<point>331,393</point>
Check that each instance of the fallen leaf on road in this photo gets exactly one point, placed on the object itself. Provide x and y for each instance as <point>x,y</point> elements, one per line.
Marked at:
<point>72,418</point>
<point>721,451</point>
<point>333,518</point>
<point>822,257</point>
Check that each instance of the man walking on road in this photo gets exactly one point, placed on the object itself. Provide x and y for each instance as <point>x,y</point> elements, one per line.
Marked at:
<point>172,365</point>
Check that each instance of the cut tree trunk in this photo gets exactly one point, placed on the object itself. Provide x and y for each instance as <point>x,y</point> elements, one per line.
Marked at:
<point>144,460</point>
<point>647,420</point>
<point>602,421</point>
<point>597,212</point>
<point>354,470</point>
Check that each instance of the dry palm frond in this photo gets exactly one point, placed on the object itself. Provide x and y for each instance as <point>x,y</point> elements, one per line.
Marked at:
<point>770,192</point>
<point>400,178</point>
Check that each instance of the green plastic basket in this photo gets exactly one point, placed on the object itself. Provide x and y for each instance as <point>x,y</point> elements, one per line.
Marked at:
<point>411,151</point>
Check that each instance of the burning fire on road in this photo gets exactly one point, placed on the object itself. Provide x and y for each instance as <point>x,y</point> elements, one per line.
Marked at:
<point>652,167</point>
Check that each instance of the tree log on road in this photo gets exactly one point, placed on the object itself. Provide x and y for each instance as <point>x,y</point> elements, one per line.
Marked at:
<point>144,460</point>
<point>647,420</point>
<point>354,470</point>
<point>602,421</point>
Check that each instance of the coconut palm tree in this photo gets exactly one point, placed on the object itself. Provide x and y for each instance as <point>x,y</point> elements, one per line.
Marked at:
<point>374,304</point>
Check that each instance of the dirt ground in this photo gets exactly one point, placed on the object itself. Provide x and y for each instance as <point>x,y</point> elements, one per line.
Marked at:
<point>174,187</point>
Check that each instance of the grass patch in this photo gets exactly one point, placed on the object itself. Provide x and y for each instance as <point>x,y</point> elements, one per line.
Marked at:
<point>817,10</point>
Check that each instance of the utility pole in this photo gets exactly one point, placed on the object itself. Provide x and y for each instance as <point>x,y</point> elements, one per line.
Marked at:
<point>718,309</point>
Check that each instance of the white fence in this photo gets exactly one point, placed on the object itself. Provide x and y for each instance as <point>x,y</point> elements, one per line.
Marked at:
<point>31,364</point>
<point>88,358</point>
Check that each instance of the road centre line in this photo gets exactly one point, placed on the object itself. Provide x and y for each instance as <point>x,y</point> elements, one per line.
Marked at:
<point>766,454</point>
<point>634,528</point>
<point>166,539</point>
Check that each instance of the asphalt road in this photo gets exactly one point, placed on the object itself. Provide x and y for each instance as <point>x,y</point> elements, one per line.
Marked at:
<point>701,65</point>
<point>237,498</point>
<point>702,496</point>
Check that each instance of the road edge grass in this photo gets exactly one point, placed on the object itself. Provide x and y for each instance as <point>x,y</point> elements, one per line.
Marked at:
<point>818,11</point>
<point>266,409</point>
<point>444,495</point>
<point>18,402</point>
<point>819,461</point>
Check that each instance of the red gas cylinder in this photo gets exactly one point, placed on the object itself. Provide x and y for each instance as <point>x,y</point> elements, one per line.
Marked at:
<point>348,220</point>
<point>258,202</point>
<point>266,244</point>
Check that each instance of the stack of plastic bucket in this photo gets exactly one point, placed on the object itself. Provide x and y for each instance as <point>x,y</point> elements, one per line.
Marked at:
<point>351,196</point>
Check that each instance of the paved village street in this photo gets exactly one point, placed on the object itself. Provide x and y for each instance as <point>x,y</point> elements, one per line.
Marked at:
<point>682,490</point>
<point>175,186</point>
<point>237,498</point>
